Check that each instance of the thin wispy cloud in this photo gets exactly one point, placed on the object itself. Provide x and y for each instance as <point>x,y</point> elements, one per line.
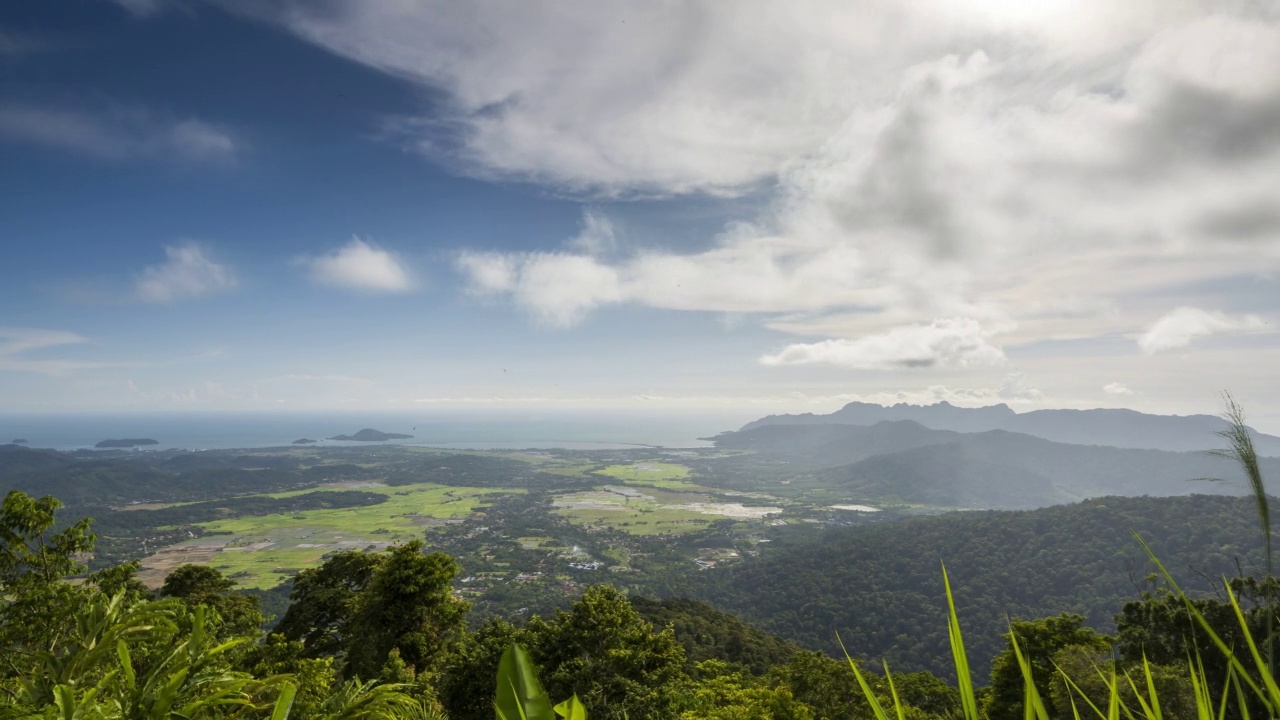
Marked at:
<point>18,345</point>
<point>362,266</point>
<point>187,273</point>
<point>118,134</point>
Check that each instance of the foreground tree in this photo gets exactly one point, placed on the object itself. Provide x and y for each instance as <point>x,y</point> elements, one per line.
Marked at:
<point>604,652</point>
<point>195,585</point>
<point>37,608</point>
<point>324,600</point>
<point>407,606</point>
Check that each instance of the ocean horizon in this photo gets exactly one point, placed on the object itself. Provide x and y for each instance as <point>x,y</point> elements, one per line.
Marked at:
<point>481,431</point>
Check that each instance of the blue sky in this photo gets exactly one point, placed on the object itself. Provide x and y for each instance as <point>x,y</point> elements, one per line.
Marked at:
<point>277,205</point>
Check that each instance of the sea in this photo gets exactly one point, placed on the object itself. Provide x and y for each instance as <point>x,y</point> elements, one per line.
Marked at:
<point>474,430</point>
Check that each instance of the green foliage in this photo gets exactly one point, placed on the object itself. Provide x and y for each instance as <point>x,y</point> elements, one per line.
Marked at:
<point>466,683</point>
<point>709,634</point>
<point>408,606</point>
<point>36,606</point>
<point>312,678</point>
<point>200,585</point>
<point>324,602</point>
<point>1038,642</point>
<point>96,673</point>
<point>728,694</point>
<point>604,652</point>
<point>878,585</point>
<point>520,695</point>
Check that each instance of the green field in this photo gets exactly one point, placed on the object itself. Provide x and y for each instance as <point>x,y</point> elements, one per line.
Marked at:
<point>653,512</point>
<point>261,551</point>
<point>655,474</point>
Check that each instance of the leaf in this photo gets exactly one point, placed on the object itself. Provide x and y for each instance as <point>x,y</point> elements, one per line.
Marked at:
<point>872,700</point>
<point>520,694</point>
<point>1033,706</point>
<point>284,703</point>
<point>572,709</point>
<point>968,698</point>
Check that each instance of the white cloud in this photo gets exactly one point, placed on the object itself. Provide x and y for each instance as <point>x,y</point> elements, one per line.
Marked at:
<point>1059,165</point>
<point>17,344</point>
<point>1117,388</point>
<point>1180,328</point>
<point>186,273</point>
<point>557,288</point>
<point>361,265</point>
<point>118,133</point>
<point>953,342</point>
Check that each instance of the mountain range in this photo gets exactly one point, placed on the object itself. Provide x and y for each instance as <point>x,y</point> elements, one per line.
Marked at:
<point>905,461</point>
<point>1112,427</point>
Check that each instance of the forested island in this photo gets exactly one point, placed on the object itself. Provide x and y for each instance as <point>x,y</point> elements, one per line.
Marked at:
<point>126,443</point>
<point>371,435</point>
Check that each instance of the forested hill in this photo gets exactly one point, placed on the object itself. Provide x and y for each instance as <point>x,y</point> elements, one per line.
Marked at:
<point>1000,469</point>
<point>1102,426</point>
<point>880,586</point>
<point>905,462</point>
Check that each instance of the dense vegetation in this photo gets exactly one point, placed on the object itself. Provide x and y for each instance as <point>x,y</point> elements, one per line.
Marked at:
<point>879,585</point>
<point>383,635</point>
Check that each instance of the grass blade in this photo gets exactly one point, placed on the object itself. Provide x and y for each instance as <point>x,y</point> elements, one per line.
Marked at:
<point>968,699</point>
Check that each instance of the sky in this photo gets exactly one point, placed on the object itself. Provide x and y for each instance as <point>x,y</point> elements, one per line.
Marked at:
<point>682,206</point>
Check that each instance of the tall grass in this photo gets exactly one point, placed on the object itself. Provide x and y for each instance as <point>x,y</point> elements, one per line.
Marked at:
<point>1128,698</point>
<point>1240,450</point>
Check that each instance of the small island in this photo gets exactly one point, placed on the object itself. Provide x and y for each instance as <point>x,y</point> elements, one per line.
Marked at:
<point>126,443</point>
<point>19,441</point>
<point>371,435</point>
<point>304,441</point>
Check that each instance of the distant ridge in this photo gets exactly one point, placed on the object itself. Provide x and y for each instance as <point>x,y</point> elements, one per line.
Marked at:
<point>1109,427</point>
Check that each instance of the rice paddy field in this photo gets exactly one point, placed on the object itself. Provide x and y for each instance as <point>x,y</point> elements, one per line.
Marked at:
<point>656,474</point>
<point>259,552</point>
<point>646,511</point>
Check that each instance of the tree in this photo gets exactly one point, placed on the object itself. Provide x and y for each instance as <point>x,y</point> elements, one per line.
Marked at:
<point>36,607</point>
<point>314,678</point>
<point>824,684</point>
<point>1038,640</point>
<point>408,605</point>
<point>728,694</point>
<point>604,652</point>
<point>238,615</point>
<point>466,682</point>
<point>324,600</point>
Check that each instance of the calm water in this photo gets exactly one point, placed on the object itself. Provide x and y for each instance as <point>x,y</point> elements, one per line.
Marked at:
<point>480,431</point>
